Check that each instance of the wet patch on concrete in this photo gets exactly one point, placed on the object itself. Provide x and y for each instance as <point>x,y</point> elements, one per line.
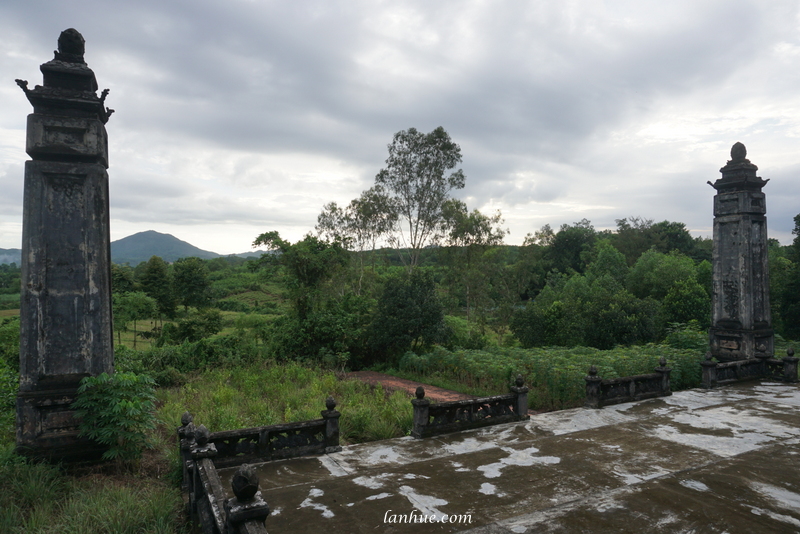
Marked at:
<point>699,461</point>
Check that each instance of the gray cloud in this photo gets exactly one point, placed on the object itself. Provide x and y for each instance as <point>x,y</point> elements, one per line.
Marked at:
<point>264,111</point>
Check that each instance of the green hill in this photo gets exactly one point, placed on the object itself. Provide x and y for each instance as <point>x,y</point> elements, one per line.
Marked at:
<point>137,248</point>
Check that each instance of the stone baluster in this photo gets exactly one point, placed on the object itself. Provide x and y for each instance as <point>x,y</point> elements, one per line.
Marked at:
<point>709,372</point>
<point>421,407</point>
<point>185,443</point>
<point>521,403</point>
<point>664,371</point>
<point>200,450</point>
<point>593,389</point>
<point>331,417</point>
<point>247,511</point>
<point>790,366</point>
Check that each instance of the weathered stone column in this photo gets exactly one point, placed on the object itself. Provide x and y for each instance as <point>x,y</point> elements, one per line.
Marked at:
<point>65,315</point>
<point>741,325</point>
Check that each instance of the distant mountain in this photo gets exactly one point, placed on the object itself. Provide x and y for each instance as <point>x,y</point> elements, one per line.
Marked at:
<point>11,255</point>
<point>137,248</point>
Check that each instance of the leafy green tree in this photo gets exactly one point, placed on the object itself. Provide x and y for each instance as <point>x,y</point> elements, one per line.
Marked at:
<point>9,278</point>
<point>570,245</point>
<point>309,263</point>
<point>195,326</point>
<point>409,316</point>
<point>687,301</point>
<point>133,306</point>
<point>122,280</point>
<point>470,235</point>
<point>192,285</point>
<point>654,273</point>
<point>790,300</point>
<point>673,236</point>
<point>359,226</point>
<point>608,262</point>
<point>156,281</point>
<point>415,181</point>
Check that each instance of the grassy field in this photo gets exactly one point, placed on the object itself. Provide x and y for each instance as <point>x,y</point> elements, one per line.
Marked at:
<point>46,499</point>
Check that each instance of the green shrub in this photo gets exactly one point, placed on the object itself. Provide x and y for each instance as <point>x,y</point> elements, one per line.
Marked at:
<point>9,341</point>
<point>9,384</point>
<point>117,410</point>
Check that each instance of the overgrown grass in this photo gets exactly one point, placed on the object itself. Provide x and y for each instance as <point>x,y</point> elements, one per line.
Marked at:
<point>266,394</point>
<point>39,498</point>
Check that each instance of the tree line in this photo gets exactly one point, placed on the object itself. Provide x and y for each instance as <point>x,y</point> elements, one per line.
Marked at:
<point>446,277</point>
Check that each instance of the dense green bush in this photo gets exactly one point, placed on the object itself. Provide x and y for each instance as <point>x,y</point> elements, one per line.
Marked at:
<point>195,326</point>
<point>9,384</point>
<point>9,341</point>
<point>117,411</point>
<point>168,364</point>
<point>409,316</point>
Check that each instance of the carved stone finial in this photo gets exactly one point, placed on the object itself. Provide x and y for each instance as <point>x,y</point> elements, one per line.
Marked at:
<point>708,356</point>
<point>593,370</point>
<point>186,418</point>
<point>519,382</point>
<point>420,393</point>
<point>330,403</point>
<point>790,352</point>
<point>662,362</point>
<point>201,435</point>
<point>738,152</point>
<point>245,483</point>
<point>71,46</point>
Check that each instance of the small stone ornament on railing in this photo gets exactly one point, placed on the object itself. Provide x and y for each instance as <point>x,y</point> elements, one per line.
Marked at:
<point>247,511</point>
<point>331,417</point>
<point>202,448</point>
<point>186,442</point>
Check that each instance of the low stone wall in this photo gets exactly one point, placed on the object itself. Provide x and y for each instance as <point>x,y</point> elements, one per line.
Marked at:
<point>207,505</point>
<point>276,442</point>
<point>434,419</point>
<point>722,373</point>
<point>601,392</point>
<point>203,452</point>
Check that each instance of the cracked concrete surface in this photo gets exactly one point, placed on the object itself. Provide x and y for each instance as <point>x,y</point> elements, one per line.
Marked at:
<point>720,461</point>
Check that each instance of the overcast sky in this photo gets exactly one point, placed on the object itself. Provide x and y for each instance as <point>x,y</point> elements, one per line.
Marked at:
<point>238,117</point>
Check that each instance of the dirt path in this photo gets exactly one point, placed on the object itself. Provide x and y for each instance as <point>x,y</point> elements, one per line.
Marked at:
<point>392,383</point>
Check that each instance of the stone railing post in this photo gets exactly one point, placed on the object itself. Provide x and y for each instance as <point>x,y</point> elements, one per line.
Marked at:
<point>201,449</point>
<point>790,366</point>
<point>421,407</point>
<point>185,444</point>
<point>331,417</point>
<point>664,371</point>
<point>709,372</point>
<point>521,402</point>
<point>593,389</point>
<point>247,511</point>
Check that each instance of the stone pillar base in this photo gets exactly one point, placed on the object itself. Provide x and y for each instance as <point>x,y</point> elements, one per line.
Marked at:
<point>728,345</point>
<point>47,428</point>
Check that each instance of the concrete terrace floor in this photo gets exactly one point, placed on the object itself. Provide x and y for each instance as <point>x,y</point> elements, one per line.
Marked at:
<point>726,460</point>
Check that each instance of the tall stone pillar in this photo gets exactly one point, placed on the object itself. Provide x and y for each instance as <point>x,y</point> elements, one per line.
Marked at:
<point>65,315</point>
<point>741,325</point>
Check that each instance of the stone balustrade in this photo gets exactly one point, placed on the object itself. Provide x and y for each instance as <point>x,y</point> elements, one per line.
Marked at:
<point>203,452</point>
<point>600,392</point>
<point>762,366</point>
<point>433,419</point>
